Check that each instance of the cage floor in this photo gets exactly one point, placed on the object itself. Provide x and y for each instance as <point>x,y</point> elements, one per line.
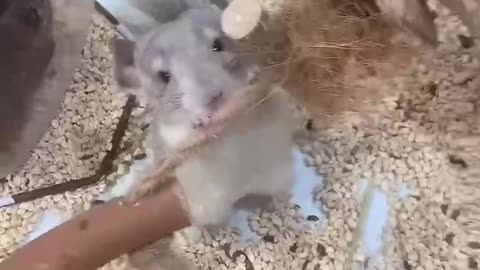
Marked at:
<point>390,197</point>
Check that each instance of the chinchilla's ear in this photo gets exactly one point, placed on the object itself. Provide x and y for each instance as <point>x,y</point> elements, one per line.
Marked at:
<point>125,73</point>
<point>164,11</point>
<point>148,14</point>
<point>221,4</point>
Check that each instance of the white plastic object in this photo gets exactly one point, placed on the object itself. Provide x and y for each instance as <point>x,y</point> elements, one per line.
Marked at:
<point>241,17</point>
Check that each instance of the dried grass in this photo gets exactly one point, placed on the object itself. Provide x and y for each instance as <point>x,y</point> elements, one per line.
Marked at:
<point>335,56</point>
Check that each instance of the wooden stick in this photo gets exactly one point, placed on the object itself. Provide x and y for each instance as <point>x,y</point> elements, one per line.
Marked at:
<point>106,166</point>
<point>104,233</point>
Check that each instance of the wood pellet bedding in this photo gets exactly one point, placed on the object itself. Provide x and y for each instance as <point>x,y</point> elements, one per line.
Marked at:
<point>422,154</point>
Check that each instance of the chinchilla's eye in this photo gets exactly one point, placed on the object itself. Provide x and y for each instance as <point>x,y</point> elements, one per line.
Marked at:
<point>217,45</point>
<point>164,76</point>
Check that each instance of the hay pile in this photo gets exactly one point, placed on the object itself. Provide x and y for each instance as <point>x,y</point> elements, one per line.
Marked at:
<point>336,57</point>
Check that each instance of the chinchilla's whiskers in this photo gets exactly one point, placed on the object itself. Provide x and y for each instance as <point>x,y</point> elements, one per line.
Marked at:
<point>175,101</point>
<point>176,96</point>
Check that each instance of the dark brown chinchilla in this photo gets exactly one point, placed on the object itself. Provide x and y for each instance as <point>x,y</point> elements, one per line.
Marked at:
<point>25,51</point>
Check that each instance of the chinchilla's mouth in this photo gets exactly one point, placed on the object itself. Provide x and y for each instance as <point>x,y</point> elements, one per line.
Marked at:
<point>253,75</point>
<point>253,80</point>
